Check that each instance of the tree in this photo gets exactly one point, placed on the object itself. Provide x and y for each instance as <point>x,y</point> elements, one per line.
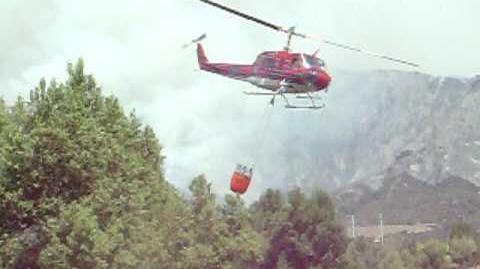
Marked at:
<point>85,181</point>
<point>128,214</point>
<point>409,260</point>
<point>220,238</point>
<point>462,229</point>
<point>462,249</point>
<point>391,260</point>
<point>310,236</point>
<point>433,254</point>
<point>4,118</point>
<point>269,212</point>
<point>362,254</point>
<point>235,214</point>
<point>245,246</point>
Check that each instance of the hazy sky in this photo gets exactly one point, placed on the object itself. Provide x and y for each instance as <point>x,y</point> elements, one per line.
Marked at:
<point>203,120</point>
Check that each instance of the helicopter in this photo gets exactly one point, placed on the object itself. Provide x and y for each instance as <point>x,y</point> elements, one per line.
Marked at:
<point>281,72</point>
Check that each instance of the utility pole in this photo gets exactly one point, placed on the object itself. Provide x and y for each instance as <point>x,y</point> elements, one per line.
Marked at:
<point>381,227</point>
<point>353,226</point>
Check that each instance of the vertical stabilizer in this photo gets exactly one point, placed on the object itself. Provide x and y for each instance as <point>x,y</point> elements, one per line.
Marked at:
<point>202,58</point>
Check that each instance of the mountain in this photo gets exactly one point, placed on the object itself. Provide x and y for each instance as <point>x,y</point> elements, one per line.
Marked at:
<point>414,151</point>
<point>403,199</point>
<point>430,120</point>
<point>376,119</point>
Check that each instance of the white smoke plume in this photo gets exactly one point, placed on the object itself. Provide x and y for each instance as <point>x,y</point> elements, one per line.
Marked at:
<point>204,122</point>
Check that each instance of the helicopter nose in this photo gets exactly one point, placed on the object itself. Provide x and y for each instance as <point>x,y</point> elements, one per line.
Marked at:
<point>322,79</point>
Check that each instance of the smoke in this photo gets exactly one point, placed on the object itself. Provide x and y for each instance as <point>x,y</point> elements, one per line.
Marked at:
<point>204,121</point>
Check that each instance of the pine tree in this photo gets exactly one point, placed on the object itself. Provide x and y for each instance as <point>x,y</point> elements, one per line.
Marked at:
<point>269,212</point>
<point>309,236</point>
<point>85,181</point>
<point>132,210</point>
<point>221,237</point>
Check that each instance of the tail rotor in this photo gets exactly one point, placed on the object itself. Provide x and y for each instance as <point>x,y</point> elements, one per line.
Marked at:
<point>194,41</point>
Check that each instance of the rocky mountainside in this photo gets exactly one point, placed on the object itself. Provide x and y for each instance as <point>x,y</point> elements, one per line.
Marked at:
<point>403,199</point>
<point>375,119</point>
<point>404,143</point>
<point>414,153</point>
<point>430,123</point>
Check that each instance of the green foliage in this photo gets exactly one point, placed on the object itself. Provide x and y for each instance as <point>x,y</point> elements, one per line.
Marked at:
<point>462,229</point>
<point>409,260</point>
<point>363,254</point>
<point>74,164</point>
<point>462,249</point>
<point>433,254</point>
<point>220,238</point>
<point>10,249</point>
<point>4,119</point>
<point>245,246</point>
<point>269,212</point>
<point>51,156</point>
<point>309,236</point>
<point>73,239</point>
<point>391,260</point>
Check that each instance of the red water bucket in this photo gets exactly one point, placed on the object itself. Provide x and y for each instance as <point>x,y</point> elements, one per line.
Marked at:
<point>239,183</point>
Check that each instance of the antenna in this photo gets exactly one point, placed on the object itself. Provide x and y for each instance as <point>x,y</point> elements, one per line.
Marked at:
<point>290,33</point>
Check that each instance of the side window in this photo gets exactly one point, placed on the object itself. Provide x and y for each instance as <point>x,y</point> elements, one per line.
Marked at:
<point>264,62</point>
<point>268,62</point>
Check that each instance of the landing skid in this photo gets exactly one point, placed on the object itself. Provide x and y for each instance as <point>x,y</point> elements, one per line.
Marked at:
<point>305,107</point>
<point>259,93</point>
<point>308,97</point>
<point>284,90</point>
<point>289,106</point>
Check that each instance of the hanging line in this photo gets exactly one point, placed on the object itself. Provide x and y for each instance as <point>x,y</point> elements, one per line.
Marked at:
<point>263,127</point>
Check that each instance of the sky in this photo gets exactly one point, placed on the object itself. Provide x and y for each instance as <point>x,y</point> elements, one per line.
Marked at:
<point>203,121</point>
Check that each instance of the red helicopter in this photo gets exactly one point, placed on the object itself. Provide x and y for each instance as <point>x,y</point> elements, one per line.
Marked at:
<point>280,72</point>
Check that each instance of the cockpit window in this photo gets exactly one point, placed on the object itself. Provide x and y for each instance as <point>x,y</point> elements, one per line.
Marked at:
<point>265,61</point>
<point>297,62</point>
<point>313,61</point>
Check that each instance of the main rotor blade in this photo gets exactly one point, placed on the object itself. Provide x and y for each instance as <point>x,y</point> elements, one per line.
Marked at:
<point>347,47</point>
<point>291,31</point>
<point>245,16</point>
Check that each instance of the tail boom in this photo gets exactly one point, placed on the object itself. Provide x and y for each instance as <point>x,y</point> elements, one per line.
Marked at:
<point>235,71</point>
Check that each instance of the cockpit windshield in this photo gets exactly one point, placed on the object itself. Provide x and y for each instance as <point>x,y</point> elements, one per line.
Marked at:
<point>312,61</point>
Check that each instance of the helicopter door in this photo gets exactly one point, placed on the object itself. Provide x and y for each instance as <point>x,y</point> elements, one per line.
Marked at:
<point>264,65</point>
<point>269,63</point>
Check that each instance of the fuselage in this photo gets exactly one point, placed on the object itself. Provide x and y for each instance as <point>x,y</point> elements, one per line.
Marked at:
<point>274,69</point>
